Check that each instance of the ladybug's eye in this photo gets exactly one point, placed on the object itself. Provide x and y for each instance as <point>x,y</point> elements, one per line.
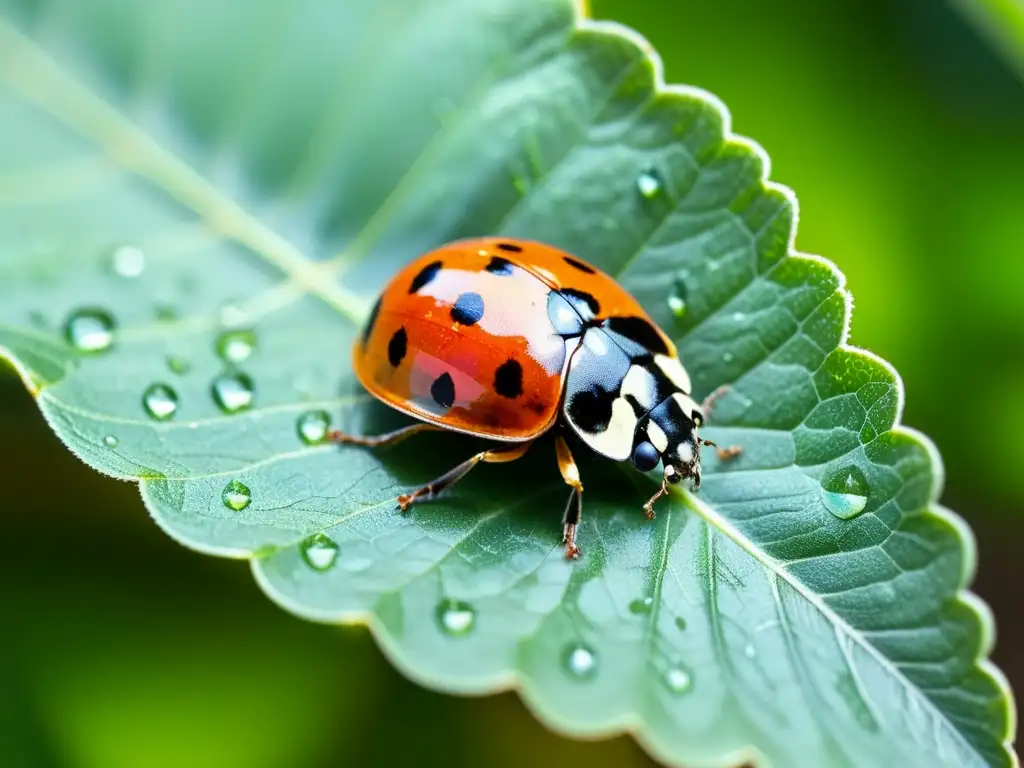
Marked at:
<point>645,456</point>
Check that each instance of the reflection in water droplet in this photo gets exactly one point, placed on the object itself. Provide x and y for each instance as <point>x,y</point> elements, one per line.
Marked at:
<point>678,680</point>
<point>680,622</point>
<point>178,365</point>
<point>90,330</point>
<point>128,261</point>
<point>455,618</point>
<point>641,605</point>
<point>235,346</point>
<point>845,492</point>
<point>233,392</point>
<point>319,551</point>
<point>110,441</point>
<point>160,401</point>
<point>313,426</point>
<point>236,496</point>
<point>580,661</point>
<point>648,184</point>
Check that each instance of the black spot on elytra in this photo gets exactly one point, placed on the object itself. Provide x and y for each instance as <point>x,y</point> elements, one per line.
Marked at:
<point>426,274</point>
<point>443,390</point>
<point>510,247</point>
<point>508,379</point>
<point>499,266</point>
<point>397,347</point>
<point>371,321</point>
<point>591,409</point>
<point>584,302</point>
<point>468,308</point>
<point>639,330</point>
<point>579,265</point>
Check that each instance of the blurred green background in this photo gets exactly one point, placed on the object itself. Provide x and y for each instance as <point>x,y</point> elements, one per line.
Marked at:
<point>902,133</point>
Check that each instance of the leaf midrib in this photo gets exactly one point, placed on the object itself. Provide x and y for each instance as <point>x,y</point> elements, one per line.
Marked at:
<point>41,80</point>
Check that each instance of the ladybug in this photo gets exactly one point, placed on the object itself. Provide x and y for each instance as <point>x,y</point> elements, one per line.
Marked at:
<point>508,339</point>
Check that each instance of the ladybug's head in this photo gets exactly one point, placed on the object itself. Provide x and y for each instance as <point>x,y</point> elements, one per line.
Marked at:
<point>669,436</point>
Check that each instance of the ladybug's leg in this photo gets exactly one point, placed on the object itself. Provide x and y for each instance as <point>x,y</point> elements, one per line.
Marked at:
<point>573,510</point>
<point>388,438</point>
<point>724,454</point>
<point>434,487</point>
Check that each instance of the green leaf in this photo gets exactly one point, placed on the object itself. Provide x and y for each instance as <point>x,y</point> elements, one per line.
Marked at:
<point>178,171</point>
<point>1001,22</point>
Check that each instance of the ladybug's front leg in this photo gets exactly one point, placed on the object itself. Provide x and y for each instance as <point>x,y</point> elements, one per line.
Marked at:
<point>573,510</point>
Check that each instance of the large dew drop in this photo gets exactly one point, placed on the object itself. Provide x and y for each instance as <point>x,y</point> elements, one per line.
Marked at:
<point>236,496</point>
<point>580,661</point>
<point>313,426</point>
<point>90,330</point>
<point>160,401</point>
<point>455,617</point>
<point>845,492</point>
<point>319,551</point>
<point>233,392</point>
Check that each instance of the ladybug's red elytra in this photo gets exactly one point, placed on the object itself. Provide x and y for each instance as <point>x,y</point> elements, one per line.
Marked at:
<point>506,339</point>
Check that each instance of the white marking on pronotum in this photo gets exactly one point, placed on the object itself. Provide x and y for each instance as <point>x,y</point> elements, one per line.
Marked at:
<point>657,436</point>
<point>638,383</point>
<point>687,403</point>
<point>674,371</point>
<point>685,452</point>
<point>615,442</point>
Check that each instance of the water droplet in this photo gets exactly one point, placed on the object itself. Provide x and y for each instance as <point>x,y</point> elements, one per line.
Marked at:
<point>456,618</point>
<point>233,392</point>
<point>641,605</point>
<point>128,261</point>
<point>749,651</point>
<point>739,317</point>
<point>110,441</point>
<point>677,298</point>
<point>648,183</point>
<point>90,330</point>
<point>313,426</point>
<point>160,401</point>
<point>178,365</point>
<point>38,320</point>
<point>714,266</point>
<point>678,680</point>
<point>728,357</point>
<point>236,496</point>
<point>580,661</point>
<point>845,492</point>
<point>319,551</point>
<point>235,346</point>
<point>680,623</point>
